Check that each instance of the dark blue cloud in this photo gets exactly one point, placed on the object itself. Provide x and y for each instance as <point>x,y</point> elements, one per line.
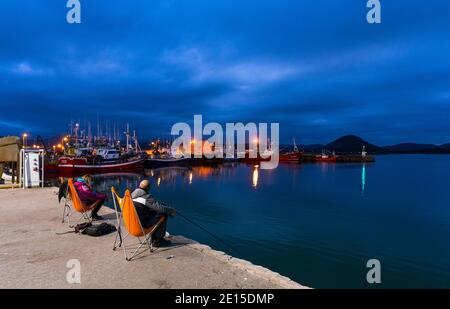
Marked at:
<point>316,67</point>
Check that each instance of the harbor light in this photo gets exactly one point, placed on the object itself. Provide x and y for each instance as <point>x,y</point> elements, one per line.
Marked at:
<point>24,140</point>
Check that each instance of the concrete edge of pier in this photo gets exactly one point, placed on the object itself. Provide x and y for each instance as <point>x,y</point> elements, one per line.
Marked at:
<point>34,251</point>
<point>249,267</point>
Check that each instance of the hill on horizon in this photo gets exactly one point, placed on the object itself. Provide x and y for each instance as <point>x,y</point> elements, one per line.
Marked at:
<point>411,147</point>
<point>354,144</point>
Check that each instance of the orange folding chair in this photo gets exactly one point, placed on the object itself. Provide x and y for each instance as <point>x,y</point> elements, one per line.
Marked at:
<point>73,202</point>
<point>129,219</point>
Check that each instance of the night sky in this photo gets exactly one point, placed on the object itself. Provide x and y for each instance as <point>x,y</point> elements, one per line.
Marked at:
<point>316,67</point>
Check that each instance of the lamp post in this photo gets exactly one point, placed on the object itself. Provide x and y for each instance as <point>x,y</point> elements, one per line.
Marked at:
<point>64,141</point>
<point>24,140</point>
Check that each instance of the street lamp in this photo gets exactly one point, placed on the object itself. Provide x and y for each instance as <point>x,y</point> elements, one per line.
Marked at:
<point>24,140</point>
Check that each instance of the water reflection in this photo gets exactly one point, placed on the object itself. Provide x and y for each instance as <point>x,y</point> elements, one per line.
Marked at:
<point>326,167</point>
<point>255,176</point>
<point>166,174</point>
<point>169,175</point>
<point>363,178</point>
<point>300,218</point>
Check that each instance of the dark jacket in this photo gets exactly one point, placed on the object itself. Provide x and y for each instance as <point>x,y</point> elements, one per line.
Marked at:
<point>147,208</point>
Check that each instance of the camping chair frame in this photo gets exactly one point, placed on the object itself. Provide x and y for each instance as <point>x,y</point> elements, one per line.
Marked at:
<point>69,207</point>
<point>144,238</point>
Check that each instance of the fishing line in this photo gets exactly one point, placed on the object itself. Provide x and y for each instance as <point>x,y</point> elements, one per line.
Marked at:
<point>205,230</point>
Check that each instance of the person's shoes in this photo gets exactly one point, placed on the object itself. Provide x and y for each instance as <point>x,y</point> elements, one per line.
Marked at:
<point>161,243</point>
<point>96,217</point>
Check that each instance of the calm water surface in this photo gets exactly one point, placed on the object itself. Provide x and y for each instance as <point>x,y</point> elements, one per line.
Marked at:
<point>319,224</point>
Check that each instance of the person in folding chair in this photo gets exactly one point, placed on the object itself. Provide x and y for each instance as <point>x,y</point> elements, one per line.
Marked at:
<point>88,196</point>
<point>150,211</point>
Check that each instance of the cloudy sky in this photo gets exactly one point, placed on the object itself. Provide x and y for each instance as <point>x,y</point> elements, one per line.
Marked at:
<point>316,67</point>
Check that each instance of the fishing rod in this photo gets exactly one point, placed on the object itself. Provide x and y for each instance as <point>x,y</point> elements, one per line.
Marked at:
<point>211,234</point>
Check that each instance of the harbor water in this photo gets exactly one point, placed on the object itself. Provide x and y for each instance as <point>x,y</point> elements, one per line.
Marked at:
<point>318,224</point>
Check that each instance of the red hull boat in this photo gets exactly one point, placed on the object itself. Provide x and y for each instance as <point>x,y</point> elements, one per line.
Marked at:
<point>291,156</point>
<point>69,165</point>
<point>325,159</point>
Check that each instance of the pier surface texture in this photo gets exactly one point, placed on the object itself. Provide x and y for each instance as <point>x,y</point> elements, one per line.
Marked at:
<point>34,255</point>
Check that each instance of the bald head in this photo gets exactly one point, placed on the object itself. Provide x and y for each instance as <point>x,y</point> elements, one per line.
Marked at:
<point>144,185</point>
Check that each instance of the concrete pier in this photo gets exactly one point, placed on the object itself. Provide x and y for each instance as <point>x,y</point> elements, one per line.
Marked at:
<point>33,254</point>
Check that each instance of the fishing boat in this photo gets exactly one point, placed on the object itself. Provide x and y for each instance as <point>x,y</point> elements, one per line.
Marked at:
<point>160,155</point>
<point>84,165</point>
<point>292,156</point>
<point>166,161</point>
<point>324,157</point>
<point>99,155</point>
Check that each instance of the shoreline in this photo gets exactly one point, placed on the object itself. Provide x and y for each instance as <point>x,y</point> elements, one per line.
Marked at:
<point>33,255</point>
<point>248,266</point>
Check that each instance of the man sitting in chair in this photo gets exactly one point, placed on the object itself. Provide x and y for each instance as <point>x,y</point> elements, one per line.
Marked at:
<point>150,211</point>
<point>88,196</point>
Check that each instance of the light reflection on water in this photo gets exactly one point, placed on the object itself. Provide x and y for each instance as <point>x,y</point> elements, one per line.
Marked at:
<point>318,223</point>
<point>255,176</point>
<point>363,178</point>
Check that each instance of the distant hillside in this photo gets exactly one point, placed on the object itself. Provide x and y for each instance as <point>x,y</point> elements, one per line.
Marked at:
<point>353,144</point>
<point>410,147</point>
<point>419,148</point>
<point>445,146</point>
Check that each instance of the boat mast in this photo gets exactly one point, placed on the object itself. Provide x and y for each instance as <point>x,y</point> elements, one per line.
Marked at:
<point>71,127</point>
<point>98,126</point>
<point>76,132</point>
<point>127,133</point>
<point>295,146</point>
<point>135,141</point>
<point>89,133</point>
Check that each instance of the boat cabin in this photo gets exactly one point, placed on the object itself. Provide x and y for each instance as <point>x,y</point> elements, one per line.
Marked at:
<point>109,154</point>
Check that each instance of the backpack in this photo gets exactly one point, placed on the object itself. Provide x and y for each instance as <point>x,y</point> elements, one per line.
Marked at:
<point>99,229</point>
